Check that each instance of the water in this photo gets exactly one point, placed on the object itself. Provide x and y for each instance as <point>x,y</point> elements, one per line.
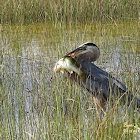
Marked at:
<point>28,86</point>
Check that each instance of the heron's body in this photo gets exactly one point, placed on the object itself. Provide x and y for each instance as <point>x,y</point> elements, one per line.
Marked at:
<point>101,80</point>
<point>101,84</point>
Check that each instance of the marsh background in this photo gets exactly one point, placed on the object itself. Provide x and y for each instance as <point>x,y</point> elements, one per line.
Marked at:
<point>37,104</point>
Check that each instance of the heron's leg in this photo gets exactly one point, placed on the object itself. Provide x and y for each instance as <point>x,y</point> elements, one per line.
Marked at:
<point>100,103</point>
<point>97,107</point>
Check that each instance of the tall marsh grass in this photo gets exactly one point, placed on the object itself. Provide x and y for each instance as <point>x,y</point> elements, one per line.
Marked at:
<point>67,11</point>
<point>36,104</point>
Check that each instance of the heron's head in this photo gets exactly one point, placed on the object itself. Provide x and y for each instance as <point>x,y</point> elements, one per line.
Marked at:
<point>67,63</point>
<point>85,52</point>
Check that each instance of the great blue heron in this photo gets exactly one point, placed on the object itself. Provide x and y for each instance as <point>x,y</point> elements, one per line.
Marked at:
<point>101,84</point>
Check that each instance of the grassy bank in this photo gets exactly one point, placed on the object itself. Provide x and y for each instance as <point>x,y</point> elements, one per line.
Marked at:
<point>69,11</point>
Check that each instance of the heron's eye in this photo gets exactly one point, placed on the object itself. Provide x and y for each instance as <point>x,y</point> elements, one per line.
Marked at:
<point>83,48</point>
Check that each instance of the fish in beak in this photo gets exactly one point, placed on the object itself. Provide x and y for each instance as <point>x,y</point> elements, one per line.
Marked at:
<point>62,65</point>
<point>67,64</point>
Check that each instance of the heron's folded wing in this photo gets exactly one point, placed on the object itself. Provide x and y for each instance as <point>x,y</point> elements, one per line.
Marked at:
<point>99,79</point>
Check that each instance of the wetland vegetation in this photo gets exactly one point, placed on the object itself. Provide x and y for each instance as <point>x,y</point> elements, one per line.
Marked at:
<point>37,104</point>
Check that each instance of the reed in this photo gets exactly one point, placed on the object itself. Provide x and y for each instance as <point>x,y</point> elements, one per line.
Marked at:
<point>36,104</point>
<point>67,11</point>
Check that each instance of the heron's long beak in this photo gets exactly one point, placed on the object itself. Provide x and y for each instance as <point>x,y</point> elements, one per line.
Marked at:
<point>74,52</point>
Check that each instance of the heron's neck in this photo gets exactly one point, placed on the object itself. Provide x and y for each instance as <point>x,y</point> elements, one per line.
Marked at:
<point>77,69</point>
<point>73,65</point>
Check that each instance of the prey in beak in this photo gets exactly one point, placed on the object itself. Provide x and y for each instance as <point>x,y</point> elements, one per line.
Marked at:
<point>62,65</point>
<point>67,64</point>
